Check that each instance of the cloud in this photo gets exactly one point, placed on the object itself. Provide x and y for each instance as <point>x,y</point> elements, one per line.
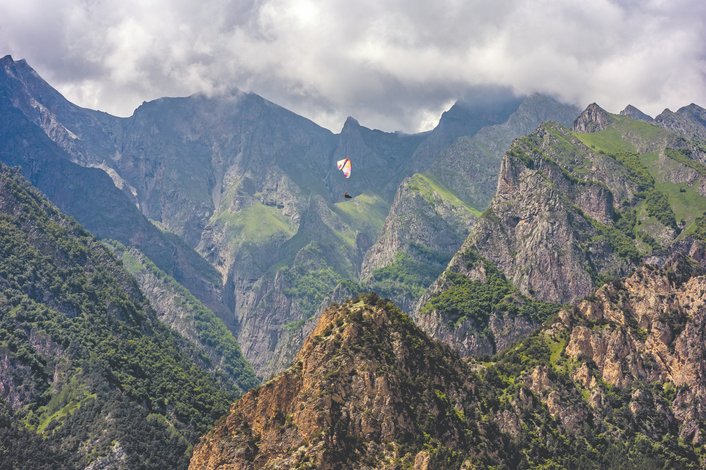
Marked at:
<point>394,65</point>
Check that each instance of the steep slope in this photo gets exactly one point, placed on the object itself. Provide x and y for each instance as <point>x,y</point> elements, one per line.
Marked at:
<point>85,363</point>
<point>87,194</point>
<point>183,313</point>
<point>367,390</point>
<point>433,211</point>
<point>572,210</point>
<point>424,228</point>
<point>615,382</point>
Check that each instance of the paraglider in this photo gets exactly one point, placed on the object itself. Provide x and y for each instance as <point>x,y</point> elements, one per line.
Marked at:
<point>345,167</point>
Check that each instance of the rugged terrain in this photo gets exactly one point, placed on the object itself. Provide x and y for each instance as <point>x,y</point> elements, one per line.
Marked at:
<point>254,190</point>
<point>614,382</point>
<point>573,209</point>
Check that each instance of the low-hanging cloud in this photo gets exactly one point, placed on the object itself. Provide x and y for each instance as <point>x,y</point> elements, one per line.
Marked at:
<point>394,65</point>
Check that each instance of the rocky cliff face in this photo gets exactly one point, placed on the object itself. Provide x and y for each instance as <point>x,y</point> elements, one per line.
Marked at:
<point>367,390</point>
<point>431,213</point>
<point>540,228</point>
<point>593,119</point>
<point>689,121</point>
<point>572,209</point>
<point>644,336</point>
<point>424,228</point>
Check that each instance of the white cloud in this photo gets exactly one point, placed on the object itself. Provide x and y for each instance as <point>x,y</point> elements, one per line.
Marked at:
<point>391,64</point>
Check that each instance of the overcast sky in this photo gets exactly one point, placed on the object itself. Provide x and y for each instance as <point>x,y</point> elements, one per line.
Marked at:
<point>392,64</point>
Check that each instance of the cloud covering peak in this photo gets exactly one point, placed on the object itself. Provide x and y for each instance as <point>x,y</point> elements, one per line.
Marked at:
<point>395,65</point>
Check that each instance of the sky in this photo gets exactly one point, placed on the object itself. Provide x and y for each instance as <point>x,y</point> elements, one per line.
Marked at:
<point>394,65</point>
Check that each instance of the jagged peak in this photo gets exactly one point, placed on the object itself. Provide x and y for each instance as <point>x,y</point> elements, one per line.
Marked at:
<point>350,123</point>
<point>592,119</point>
<point>664,114</point>
<point>693,112</point>
<point>633,112</point>
<point>691,107</point>
<point>7,58</point>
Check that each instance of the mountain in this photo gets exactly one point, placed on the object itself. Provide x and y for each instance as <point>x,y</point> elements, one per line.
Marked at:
<point>87,194</point>
<point>633,112</point>
<point>615,382</point>
<point>85,364</point>
<point>572,210</point>
<point>433,211</point>
<point>253,189</point>
<point>367,390</point>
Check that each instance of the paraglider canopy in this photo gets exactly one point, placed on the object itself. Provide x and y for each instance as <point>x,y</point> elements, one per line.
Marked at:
<point>345,166</point>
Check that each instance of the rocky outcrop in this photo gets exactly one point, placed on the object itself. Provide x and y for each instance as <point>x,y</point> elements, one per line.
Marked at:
<point>689,121</point>
<point>539,228</point>
<point>647,329</point>
<point>634,113</point>
<point>593,119</point>
<point>367,389</point>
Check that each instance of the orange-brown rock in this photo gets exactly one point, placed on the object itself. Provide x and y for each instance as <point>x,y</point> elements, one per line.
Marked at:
<point>367,390</point>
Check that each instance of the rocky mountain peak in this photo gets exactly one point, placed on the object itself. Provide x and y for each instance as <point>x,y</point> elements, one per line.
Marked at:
<point>689,121</point>
<point>366,384</point>
<point>593,119</point>
<point>350,124</point>
<point>633,112</point>
<point>694,112</point>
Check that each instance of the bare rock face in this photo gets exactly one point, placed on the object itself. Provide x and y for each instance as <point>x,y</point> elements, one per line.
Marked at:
<point>420,215</point>
<point>540,229</point>
<point>424,228</point>
<point>364,388</point>
<point>646,329</point>
<point>633,112</point>
<point>689,121</point>
<point>593,119</point>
